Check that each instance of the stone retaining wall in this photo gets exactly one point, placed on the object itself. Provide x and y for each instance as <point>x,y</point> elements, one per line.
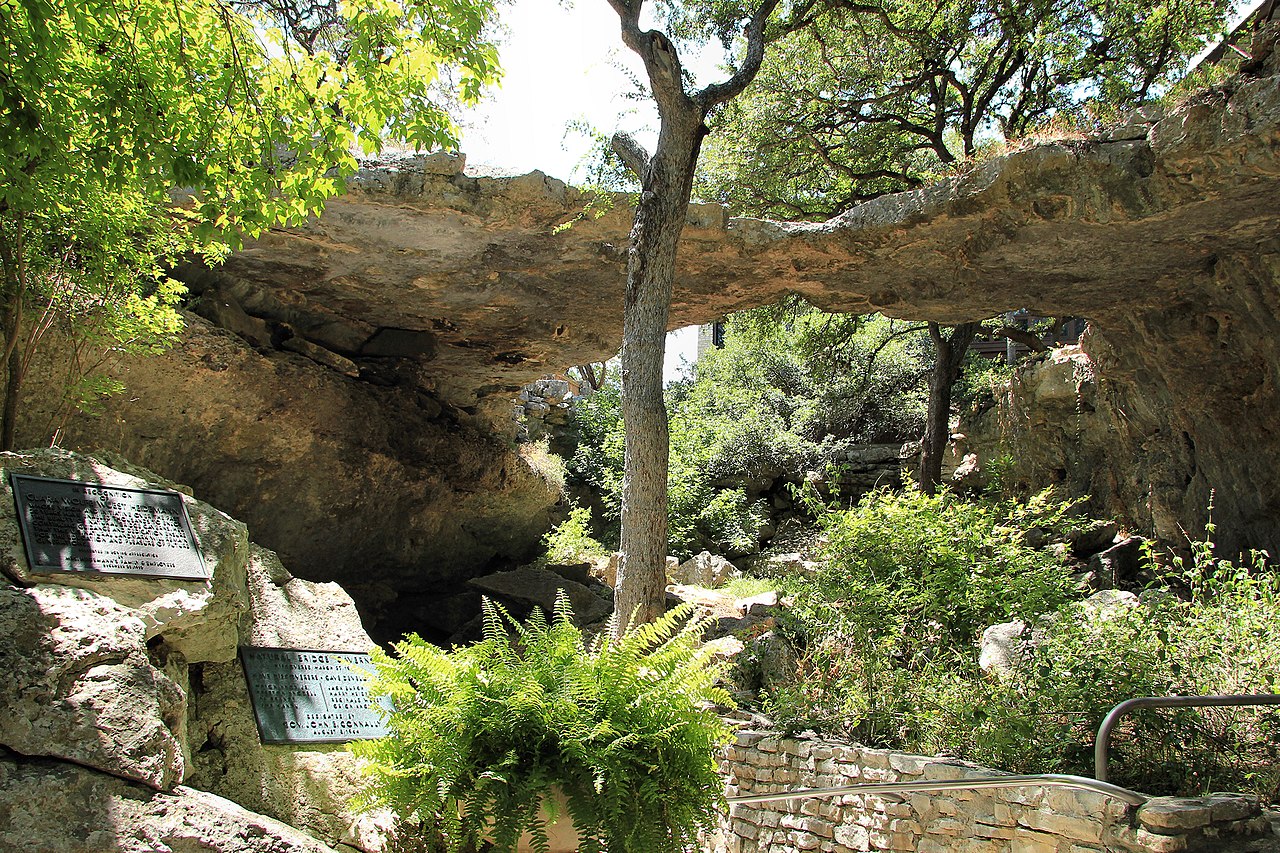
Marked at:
<point>1014,820</point>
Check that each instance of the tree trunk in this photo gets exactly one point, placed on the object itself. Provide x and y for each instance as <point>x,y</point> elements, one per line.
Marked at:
<point>13,278</point>
<point>13,387</point>
<point>640,592</point>
<point>666,181</point>
<point>949,354</point>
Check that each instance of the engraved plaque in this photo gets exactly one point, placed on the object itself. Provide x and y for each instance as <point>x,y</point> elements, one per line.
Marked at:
<point>87,528</point>
<point>310,697</point>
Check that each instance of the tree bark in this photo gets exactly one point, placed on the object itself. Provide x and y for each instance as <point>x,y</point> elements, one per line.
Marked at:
<point>666,181</point>
<point>13,278</point>
<point>948,356</point>
<point>640,593</point>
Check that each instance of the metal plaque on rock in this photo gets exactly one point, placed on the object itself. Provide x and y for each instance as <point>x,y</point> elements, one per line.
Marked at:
<point>88,528</point>
<point>303,696</point>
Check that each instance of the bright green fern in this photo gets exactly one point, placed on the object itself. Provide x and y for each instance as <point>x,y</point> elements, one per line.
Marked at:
<point>626,728</point>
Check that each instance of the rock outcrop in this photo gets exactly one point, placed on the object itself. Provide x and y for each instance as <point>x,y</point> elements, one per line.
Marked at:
<point>364,347</point>
<point>379,488</point>
<point>125,719</point>
<point>46,807</point>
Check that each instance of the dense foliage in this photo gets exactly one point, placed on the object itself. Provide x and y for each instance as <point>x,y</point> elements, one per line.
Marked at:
<point>907,583</point>
<point>889,628</point>
<point>873,97</point>
<point>790,390</point>
<point>137,131</point>
<point>481,734</point>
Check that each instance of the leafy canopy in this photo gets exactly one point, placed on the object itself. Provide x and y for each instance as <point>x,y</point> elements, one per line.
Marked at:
<point>222,100</point>
<point>866,98</point>
<point>137,132</point>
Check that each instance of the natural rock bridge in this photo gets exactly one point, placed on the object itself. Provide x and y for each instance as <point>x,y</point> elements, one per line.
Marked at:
<point>429,296</point>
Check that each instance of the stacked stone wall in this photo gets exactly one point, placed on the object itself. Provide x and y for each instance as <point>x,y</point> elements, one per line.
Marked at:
<point>1013,820</point>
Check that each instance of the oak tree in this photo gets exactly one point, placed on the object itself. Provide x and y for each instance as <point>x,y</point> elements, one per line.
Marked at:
<point>666,182</point>
<point>867,97</point>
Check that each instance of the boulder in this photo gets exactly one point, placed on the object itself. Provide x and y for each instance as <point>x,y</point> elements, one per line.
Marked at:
<point>199,619</point>
<point>766,662</point>
<point>552,391</point>
<point>530,586</point>
<point>777,658</point>
<point>1118,565</point>
<point>80,686</point>
<point>1092,537</point>
<point>1003,647</point>
<point>761,604</point>
<point>311,785</point>
<point>52,807</point>
<point>968,475</point>
<point>289,612</point>
<point>704,569</point>
<point>1109,603</point>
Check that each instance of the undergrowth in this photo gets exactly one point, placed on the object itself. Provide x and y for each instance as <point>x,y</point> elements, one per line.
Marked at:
<point>889,627</point>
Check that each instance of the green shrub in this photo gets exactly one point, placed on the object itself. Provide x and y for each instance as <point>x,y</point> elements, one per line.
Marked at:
<point>919,572</point>
<point>889,627</point>
<point>479,735</point>
<point>571,540</point>
<point>1219,639</point>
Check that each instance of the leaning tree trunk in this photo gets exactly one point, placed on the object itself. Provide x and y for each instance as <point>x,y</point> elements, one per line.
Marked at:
<point>640,592</point>
<point>948,356</point>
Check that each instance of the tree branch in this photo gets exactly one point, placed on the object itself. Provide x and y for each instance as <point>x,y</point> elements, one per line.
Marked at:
<point>718,93</point>
<point>631,153</point>
<point>1022,336</point>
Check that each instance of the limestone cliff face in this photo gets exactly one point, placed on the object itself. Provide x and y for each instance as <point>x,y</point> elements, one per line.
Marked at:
<point>375,348</point>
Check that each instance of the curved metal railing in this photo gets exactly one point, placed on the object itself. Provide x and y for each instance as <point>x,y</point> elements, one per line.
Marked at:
<point>1102,745</point>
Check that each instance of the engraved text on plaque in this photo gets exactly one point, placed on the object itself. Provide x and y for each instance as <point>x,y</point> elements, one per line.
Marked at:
<point>74,526</point>
<point>310,697</point>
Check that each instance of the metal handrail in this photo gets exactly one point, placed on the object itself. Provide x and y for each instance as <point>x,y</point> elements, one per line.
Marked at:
<point>1050,780</point>
<point>1101,746</point>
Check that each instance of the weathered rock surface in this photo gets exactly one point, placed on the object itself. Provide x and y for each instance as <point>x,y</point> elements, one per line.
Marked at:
<point>1118,566</point>
<point>309,786</point>
<point>79,686</point>
<point>704,569</point>
<point>199,619</point>
<point>48,807</point>
<point>527,587</point>
<point>155,695</point>
<point>1003,647</point>
<point>376,487</point>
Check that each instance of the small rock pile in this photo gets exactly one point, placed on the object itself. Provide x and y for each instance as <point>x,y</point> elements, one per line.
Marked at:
<point>543,407</point>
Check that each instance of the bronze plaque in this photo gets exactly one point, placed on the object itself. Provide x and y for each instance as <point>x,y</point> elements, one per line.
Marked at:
<point>87,528</point>
<point>302,696</point>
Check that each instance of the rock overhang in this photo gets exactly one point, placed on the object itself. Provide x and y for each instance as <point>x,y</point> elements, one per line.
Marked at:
<point>1162,233</point>
<point>471,281</point>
